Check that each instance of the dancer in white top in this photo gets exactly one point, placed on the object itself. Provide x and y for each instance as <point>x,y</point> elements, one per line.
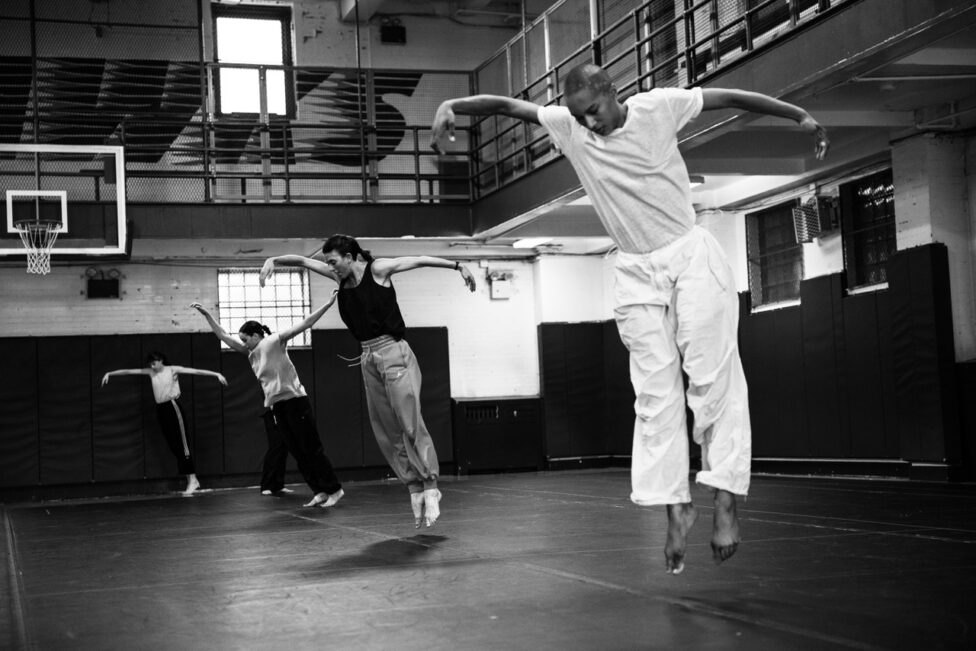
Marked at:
<point>285,396</point>
<point>166,391</point>
<point>675,300</point>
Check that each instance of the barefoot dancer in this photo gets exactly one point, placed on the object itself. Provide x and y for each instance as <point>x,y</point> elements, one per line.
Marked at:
<point>285,396</point>
<point>676,304</point>
<point>166,391</point>
<point>368,306</point>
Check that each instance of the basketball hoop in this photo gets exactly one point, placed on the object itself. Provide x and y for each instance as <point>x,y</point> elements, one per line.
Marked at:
<point>38,236</point>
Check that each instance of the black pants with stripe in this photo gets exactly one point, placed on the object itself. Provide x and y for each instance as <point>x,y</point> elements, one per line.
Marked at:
<point>296,422</point>
<point>173,425</point>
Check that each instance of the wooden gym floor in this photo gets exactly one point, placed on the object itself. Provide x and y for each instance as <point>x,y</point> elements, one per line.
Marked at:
<point>558,560</point>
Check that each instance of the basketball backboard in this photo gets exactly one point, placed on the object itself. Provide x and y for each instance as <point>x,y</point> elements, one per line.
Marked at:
<point>80,186</point>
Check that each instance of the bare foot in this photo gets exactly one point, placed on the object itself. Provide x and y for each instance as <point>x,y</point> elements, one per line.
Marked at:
<point>725,527</point>
<point>432,506</point>
<point>333,498</point>
<point>318,499</point>
<point>681,517</point>
<point>192,485</point>
<point>417,504</point>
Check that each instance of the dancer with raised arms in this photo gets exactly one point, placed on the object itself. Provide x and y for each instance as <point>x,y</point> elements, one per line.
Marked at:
<point>165,381</point>
<point>368,306</point>
<point>285,396</point>
<point>675,299</point>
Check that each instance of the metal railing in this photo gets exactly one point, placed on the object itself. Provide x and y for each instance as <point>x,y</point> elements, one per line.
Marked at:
<point>363,136</point>
<point>642,45</point>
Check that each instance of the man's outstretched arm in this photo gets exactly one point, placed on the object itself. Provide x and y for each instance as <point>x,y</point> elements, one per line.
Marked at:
<point>723,98</point>
<point>478,105</point>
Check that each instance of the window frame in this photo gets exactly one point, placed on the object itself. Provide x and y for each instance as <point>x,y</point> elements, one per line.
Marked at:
<point>856,269</point>
<point>282,14</point>
<point>266,310</point>
<point>760,261</point>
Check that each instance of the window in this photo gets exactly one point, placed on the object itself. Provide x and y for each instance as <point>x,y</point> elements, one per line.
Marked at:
<point>775,258</point>
<point>281,303</point>
<point>868,215</point>
<point>256,36</point>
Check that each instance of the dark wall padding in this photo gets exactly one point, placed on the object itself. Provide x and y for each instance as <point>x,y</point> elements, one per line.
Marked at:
<point>776,370</point>
<point>865,376</point>
<point>339,405</point>
<point>966,372</point>
<point>587,396</point>
<point>208,406</point>
<point>430,346</point>
<point>117,440</point>
<point>245,441</point>
<point>924,352</point>
<point>64,410</point>
<point>19,461</point>
<point>58,425</point>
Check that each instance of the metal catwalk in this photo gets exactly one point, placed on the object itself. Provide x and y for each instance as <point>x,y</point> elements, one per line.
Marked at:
<point>557,560</point>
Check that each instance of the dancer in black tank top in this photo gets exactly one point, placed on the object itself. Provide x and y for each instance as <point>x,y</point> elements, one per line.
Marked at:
<point>368,306</point>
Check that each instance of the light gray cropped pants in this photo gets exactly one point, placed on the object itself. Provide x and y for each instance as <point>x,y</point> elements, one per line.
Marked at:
<point>676,309</point>
<point>392,378</point>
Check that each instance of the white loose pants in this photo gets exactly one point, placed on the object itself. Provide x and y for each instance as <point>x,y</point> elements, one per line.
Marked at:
<point>676,308</point>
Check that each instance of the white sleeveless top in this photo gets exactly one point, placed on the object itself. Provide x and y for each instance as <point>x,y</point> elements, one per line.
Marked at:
<point>274,370</point>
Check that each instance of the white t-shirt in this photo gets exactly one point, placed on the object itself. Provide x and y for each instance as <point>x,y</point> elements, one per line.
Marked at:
<point>166,384</point>
<point>274,370</point>
<point>635,175</point>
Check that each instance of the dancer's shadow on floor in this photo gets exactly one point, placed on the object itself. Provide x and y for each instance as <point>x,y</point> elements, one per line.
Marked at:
<point>389,553</point>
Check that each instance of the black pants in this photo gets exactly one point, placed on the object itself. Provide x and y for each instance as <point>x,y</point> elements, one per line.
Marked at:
<point>296,422</point>
<point>173,425</point>
<point>273,472</point>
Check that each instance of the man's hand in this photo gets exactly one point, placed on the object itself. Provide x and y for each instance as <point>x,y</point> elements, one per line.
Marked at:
<point>105,379</point>
<point>443,123</point>
<point>222,379</point>
<point>468,278</point>
<point>811,126</point>
<point>266,270</point>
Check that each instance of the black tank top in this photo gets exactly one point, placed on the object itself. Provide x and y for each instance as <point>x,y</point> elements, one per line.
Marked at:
<point>370,309</point>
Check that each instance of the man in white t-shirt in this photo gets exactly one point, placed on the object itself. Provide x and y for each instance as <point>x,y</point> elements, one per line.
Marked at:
<point>675,301</point>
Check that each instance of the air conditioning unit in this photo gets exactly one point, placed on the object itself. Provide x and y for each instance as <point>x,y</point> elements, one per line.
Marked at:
<point>815,216</point>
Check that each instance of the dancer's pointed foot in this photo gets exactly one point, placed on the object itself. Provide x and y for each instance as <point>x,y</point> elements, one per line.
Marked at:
<point>432,506</point>
<point>725,527</point>
<point>333,498</point>
<point>681,517</point>
<point>417,504</point>
<point>192,485</point>
<point>318,499</point>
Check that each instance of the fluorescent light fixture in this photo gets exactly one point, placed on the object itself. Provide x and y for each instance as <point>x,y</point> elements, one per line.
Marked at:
<point>531,242</point>
<point>696,180</point>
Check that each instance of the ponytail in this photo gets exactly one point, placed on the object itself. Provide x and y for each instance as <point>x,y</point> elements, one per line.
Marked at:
<point>255,328</point>
<point>346,245</point>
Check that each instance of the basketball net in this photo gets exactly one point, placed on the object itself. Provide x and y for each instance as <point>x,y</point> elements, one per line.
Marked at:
<point>38,238</point>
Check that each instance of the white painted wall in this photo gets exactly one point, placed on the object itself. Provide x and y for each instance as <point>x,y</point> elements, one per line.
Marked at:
<point>573,289</point>
<point>492,343</point>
